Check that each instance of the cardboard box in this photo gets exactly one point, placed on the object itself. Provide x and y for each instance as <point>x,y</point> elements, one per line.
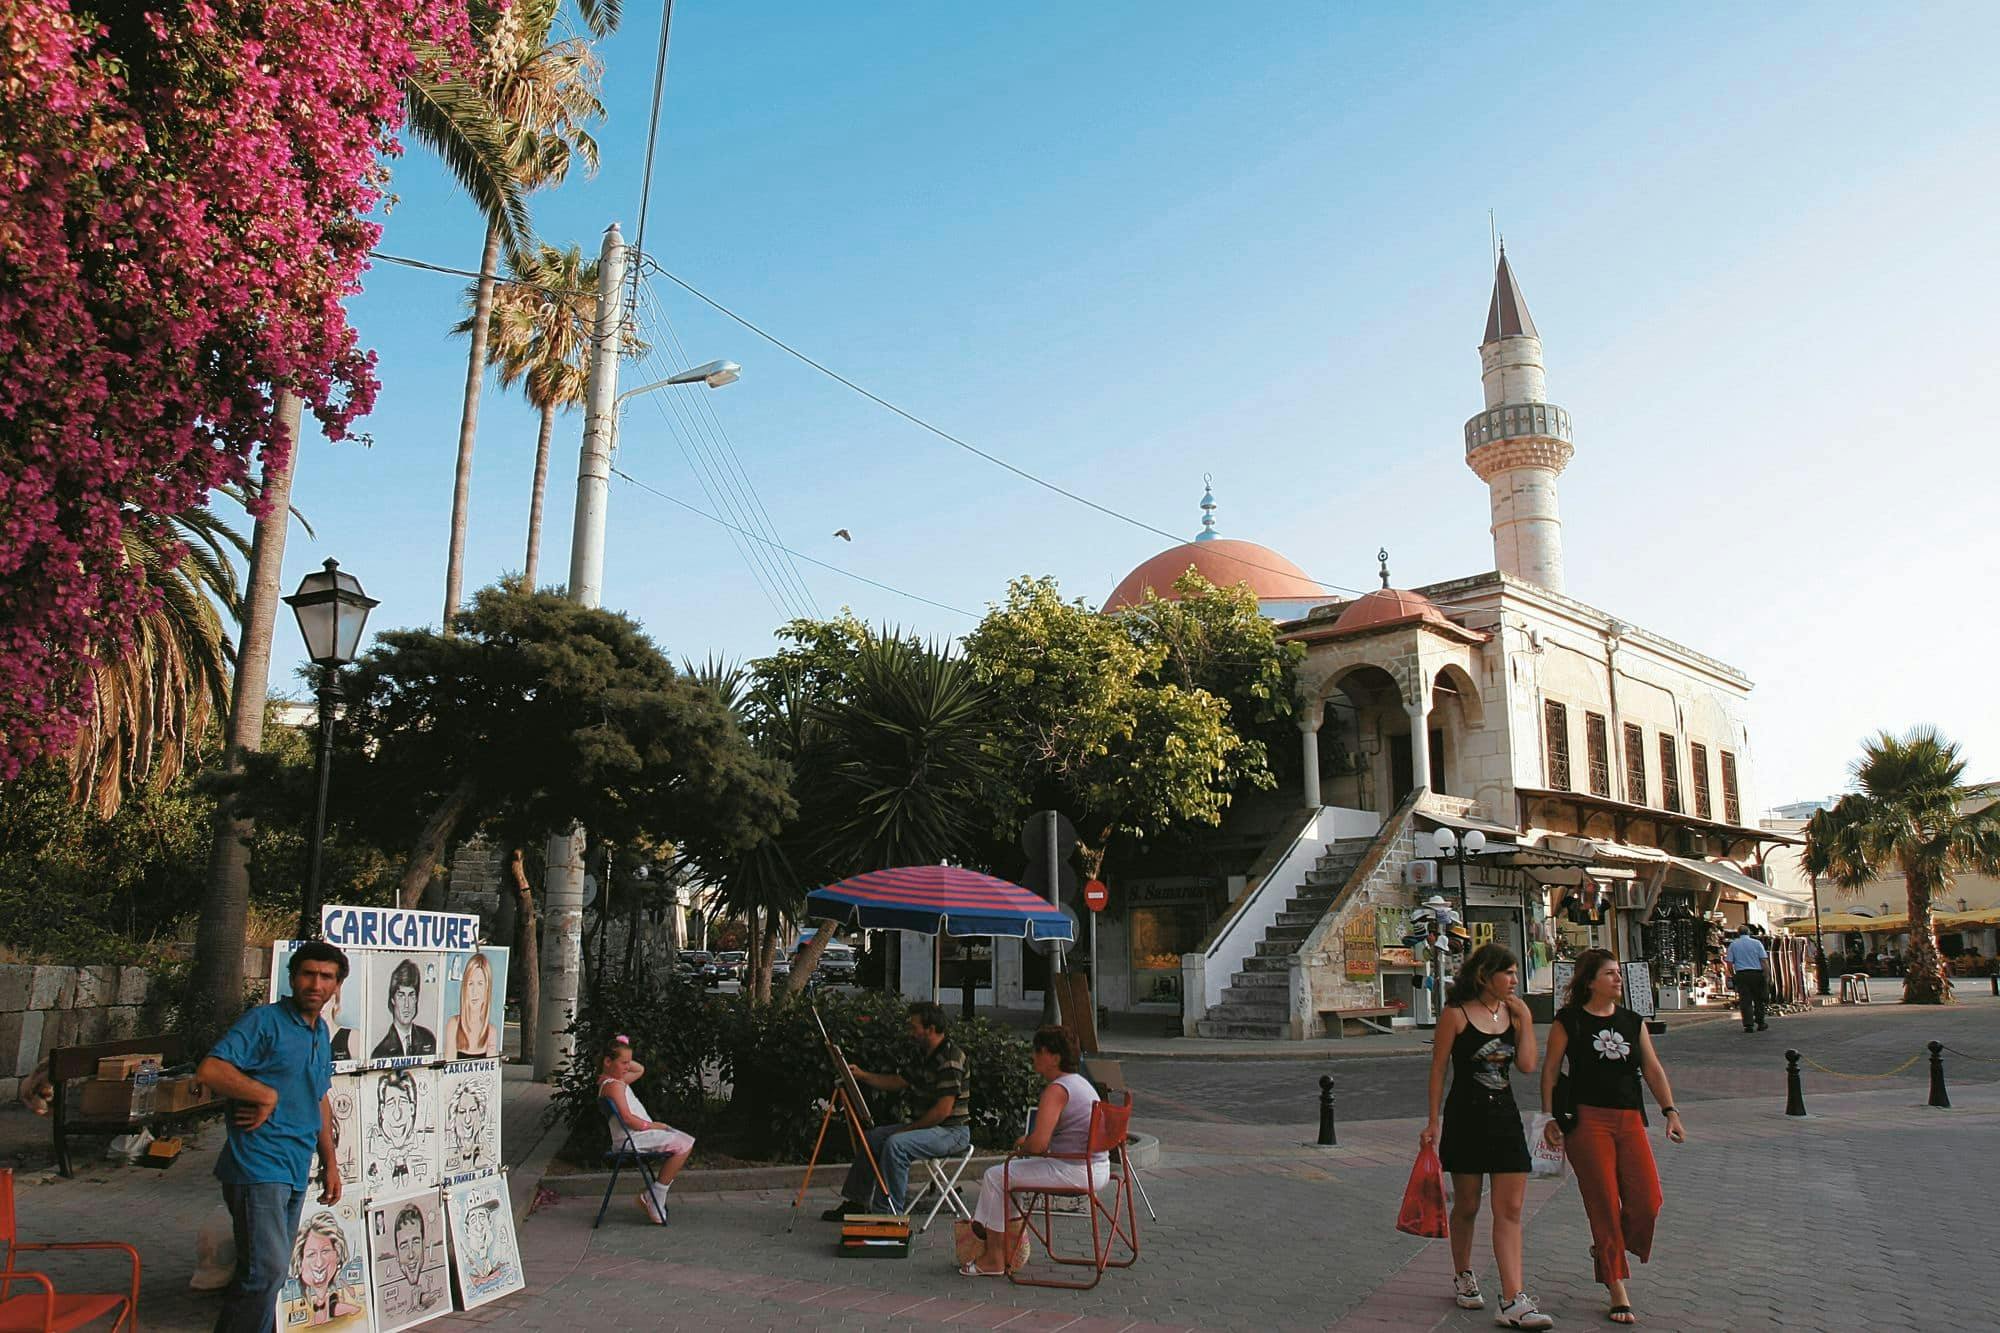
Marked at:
<point>180,1094</point>
<point>105,1099</point>
<point>124,1066</point>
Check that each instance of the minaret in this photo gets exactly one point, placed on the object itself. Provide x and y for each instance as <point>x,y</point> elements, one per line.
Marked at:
<point>1521,442</point>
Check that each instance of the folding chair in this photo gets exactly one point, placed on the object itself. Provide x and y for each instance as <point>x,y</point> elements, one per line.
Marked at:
<point>48,1309</point>
<point>1108,1126</point>
<point>618,1157</point>
<point>943,1173</point>
<point>1108,1076</point>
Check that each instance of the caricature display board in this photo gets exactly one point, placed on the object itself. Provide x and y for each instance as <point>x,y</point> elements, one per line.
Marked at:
<point>469,1108</point>
<point>486,1257</point>
<point>407,1269</point>
<point>475,995</point>
<point>417,1030</point>
<point>326,1284</point>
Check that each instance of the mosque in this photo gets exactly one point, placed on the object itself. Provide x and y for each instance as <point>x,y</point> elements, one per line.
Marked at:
<point>1602,772</point>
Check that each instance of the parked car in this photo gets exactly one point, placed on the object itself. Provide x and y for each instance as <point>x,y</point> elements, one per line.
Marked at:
<point>697,964</point>
<point>837,965</point>
<point>732,963</point>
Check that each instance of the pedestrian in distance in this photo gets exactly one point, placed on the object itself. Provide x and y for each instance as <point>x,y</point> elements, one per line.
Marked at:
<point>275,1067</point>
<point>1748,961</point>
<point>1608,1050</point>
<point>1484,1033</point>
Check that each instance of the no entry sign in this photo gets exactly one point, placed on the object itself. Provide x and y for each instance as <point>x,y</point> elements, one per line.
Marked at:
<point>1095,895</point>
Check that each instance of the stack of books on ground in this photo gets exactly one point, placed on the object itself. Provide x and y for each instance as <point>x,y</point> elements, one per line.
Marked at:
<point>875,1236</point>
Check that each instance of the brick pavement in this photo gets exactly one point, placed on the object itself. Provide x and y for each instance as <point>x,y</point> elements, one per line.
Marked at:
<point>1770,1223</point>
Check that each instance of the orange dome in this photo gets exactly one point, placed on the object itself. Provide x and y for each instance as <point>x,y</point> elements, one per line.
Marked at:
<point>1224,562</point>
<point>1388,606</point>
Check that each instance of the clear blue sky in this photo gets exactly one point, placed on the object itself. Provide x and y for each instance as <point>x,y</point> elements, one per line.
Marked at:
<point>1123,245</point>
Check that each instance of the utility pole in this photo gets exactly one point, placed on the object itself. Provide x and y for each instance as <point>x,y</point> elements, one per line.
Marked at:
<point>562,916</point>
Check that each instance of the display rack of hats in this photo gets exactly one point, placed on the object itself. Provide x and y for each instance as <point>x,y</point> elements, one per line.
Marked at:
<point>424,1225</point>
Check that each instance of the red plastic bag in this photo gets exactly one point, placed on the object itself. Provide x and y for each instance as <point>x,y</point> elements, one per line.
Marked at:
<point>1423,1213</point>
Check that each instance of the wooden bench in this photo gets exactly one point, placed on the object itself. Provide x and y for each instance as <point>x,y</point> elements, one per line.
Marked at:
<point>1336,1019</point>
<point>68,1063</point>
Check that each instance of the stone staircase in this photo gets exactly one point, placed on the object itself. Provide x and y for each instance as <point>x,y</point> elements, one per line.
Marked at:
<point>1255,1003</point>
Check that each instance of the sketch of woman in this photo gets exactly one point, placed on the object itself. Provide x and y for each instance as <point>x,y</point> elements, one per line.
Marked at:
<point>319,1256</point>
<point>465,1127</point>
<point>470,1032</point>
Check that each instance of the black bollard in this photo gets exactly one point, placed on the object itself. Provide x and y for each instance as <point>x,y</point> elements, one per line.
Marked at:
<point>1795,1092</point>
<point>1326,1111</point>
<point>1938,1096</point>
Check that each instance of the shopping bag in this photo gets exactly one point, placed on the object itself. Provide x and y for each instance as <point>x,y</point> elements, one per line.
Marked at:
<point>1544,1162</point>
<point>1423,1212</point>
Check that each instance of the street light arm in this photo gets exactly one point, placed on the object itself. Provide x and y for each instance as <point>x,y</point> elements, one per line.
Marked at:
<point>714,374</point>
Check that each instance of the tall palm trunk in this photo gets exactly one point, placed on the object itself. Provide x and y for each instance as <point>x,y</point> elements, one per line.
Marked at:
<point>468,423</point>
<point>219,938</point>
<point>807,959</point>
<point>535,498</point>
<point>527,954</point>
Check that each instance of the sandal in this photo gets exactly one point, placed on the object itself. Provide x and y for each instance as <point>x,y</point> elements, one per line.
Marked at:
<point>1621,1314</point>
<point>971,1268</point>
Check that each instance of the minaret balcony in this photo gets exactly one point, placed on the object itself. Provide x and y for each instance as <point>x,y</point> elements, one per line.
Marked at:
<point>1517,421</point>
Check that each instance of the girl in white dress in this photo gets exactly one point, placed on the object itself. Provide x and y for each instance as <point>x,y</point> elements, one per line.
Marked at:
<point>618,1072</point>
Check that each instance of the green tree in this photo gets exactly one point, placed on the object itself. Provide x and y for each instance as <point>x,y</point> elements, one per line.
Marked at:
<point>1909,815</point>
<point>156,698</point>
<point>540,91</point>
<point>1089,722</point>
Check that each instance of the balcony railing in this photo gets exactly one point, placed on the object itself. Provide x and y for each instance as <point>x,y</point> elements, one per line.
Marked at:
<point>1516,421</point>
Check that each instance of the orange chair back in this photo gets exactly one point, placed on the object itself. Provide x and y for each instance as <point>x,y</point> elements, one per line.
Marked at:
<point>1108,1125</point>
<point>7,1234</point>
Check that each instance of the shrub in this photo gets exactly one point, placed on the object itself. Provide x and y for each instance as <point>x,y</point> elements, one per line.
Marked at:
<point>775,1068</point>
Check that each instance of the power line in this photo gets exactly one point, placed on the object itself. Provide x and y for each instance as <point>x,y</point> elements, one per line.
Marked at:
<point>797,555</point>
<point>730,463</point>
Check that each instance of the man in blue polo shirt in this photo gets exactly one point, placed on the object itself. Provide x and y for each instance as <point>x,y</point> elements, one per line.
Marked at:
<point>275,1067</point>
<point>1747,958</point>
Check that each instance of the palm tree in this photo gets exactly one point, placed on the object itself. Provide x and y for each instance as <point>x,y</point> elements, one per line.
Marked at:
<point>908,756</point>
<point>1909,815</point>
<point>539,334</point>
<point>541,91</point>
<point>155,700</point>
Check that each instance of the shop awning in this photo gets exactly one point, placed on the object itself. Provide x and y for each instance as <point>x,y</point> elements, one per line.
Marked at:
<point>1729,877</point>
<point>1847,921</point>
<point>1989,916</point>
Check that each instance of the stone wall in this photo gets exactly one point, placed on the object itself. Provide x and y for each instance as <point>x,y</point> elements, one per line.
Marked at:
<point>43,1007</point>
<point>1318,981</point>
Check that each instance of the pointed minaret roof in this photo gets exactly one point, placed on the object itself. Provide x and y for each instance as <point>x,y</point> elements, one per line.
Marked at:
<point>1508,316</point>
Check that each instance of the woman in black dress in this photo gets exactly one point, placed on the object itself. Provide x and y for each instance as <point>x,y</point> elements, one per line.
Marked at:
<point>1484,1033</point>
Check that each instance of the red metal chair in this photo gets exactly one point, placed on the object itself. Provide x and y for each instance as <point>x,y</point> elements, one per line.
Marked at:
<point>1110,1223</point>
<point>49,1311</point>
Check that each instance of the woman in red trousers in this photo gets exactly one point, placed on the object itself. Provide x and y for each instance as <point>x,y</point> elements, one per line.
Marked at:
<point>1609,1050</point>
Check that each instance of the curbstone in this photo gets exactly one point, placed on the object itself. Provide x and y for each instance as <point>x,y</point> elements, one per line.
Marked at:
<point>17,986</point>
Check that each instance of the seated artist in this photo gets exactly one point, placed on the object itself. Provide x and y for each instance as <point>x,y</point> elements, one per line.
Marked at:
<point>1061,1126</point>
<point>941,1088</point>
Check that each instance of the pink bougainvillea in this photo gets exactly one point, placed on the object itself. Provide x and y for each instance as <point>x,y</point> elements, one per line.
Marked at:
<point>183,204</point>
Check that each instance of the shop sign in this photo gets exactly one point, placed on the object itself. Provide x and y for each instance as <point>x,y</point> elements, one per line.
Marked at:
<point>1159,892</point>
<point>1360,943</point>
<point>1392,927</point>
<point>1399,957</point>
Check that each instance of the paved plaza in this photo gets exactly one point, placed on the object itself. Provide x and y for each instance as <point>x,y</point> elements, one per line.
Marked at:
<point>1875,1211</point>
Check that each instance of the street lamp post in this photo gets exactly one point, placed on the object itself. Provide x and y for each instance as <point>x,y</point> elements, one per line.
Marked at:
<point>562,921</point>
<point>332,611</point>
<point>1450,849</point>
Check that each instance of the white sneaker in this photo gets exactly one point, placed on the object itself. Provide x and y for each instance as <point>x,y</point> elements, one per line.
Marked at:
<point>1521,1313</point>
<point>1466,1291</point>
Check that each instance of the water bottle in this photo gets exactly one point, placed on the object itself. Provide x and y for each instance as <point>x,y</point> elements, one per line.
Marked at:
<point>144,1084</point>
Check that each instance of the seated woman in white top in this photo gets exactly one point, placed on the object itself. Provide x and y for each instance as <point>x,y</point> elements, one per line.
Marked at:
<point>1061,1125</point>
<point>618,1072</point>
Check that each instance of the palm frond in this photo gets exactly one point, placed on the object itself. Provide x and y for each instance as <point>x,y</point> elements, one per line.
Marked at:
<point>454,119</point>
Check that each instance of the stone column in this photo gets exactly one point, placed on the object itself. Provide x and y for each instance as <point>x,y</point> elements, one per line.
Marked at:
<point>1309,725</point>
<point>1419,710</point>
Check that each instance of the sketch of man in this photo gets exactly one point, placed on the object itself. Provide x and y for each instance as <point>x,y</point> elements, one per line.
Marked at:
<point>405,1035</point>
<point>409,1235</point>
<point>481,1262</point>
<point>394,1151</point>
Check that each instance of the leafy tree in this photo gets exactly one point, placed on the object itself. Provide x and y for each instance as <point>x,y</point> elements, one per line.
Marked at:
<point>1909,815</point>
<point>186,194</point>
<point>155,697</point>
<point>1089,722</point>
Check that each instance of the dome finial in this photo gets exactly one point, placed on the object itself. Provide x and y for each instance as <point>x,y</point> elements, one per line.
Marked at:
<point>1207,533</point>
<point>1382,556</point>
